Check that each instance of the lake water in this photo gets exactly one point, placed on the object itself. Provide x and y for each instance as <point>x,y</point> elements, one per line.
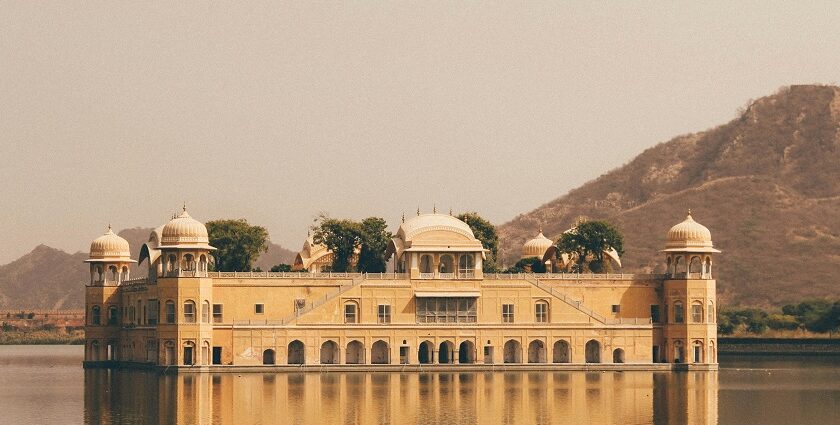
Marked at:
<point>46,384</point>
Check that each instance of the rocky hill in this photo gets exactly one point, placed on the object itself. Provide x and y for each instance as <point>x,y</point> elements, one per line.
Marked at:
<point>767,184</point>
<point>49,278</point>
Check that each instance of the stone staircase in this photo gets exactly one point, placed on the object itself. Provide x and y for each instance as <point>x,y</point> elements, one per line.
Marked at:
<point>323,300</point>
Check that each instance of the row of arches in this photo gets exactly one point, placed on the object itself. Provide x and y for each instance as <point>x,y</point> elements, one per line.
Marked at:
<point>692,267</point>
<point>446,264</point>
<point>188,264</point>
<point>444,353</point>
<point>115,274</point>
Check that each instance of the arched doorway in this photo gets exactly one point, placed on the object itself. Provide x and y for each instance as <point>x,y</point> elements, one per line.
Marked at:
<point>593,351</point>
<point>536,352</point>
<point>379,353</point>
<point>355,353</point>
<point>425,353</point>
<point>295,353</point>
<point>618,355</point>
<point>268,356</point>
<point>698,352</point>
<point>513,352</point>
<point>466,352</point>
<point>446,352</point>
<point>562,353</point>
<point>329,352</point>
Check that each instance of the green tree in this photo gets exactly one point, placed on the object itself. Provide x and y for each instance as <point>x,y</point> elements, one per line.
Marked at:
<point>783,322</point>
<point>485,232</point>
<point>527,265</point>
<point>281,268</point>
<point>238,244</point>
<point>587,242</point>
<point>374,241</point>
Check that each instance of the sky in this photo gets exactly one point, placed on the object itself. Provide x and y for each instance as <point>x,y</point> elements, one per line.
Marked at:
<point>120,112</point>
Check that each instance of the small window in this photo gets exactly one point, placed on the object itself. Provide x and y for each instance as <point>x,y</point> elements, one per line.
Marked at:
<point>384,315</point>
<point>96,315</point>
<point>679,313</point>
<point>259,308</point>
<point>507,313</point>
<point>217,313</point>
<point>654,314</point>
<point>711,313</point>
<point>189,312</point>
<point>205,312</point>
<point>170,312</point>
<point>697,312</point>
<point>113,317</point>
<point>541,310</point>
<point>350,313</point>
<point>616,308</point>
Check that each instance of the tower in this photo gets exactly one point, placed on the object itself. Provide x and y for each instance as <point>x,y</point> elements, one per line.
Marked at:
<point>690,329</point>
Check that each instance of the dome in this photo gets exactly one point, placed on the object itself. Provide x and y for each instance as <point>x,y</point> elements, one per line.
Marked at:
<point>689,235</point>
<point>537,246</point>
<point>433,222</point>
<point>109,247</point>
<point>434,233</point>
<point>184,231</point>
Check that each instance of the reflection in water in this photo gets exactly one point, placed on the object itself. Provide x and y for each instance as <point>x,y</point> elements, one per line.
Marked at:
<point>482,397</point>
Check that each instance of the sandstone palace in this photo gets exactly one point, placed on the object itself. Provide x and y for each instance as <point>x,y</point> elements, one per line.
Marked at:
<point>438,310</point>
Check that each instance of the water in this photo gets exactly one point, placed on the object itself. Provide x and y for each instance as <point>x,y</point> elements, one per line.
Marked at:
<point>46,384</point>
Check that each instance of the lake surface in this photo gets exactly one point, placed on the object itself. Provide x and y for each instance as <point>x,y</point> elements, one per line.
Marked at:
<point>46,384</point>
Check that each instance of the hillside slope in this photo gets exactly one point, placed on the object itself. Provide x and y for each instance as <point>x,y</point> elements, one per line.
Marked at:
<point>767,184</point>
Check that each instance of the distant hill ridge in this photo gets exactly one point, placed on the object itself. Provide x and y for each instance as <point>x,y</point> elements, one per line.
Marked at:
<point>767,184</point>
<point>49,278</point>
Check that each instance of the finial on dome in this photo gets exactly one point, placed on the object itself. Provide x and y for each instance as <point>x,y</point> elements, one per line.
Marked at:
<point>403,217</point>
<point>450,211</point>
<point>418,210</point>
<point>434,208</point>
<point>185,207</point>
<point>689,213</point>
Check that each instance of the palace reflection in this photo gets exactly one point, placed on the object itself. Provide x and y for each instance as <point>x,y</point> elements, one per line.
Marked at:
<point>483,397</point>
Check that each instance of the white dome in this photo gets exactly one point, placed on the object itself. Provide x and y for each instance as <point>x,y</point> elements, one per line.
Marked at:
<point>689,235</point>
<point>537,246</point>
<point>110,247</point>
<point>433,222</point>
<point>184,231</point>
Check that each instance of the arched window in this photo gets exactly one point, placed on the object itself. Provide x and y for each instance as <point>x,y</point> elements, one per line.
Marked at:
<point>711,313</point>
<point>698,352</point>
<point>679,352</point>
<point>446,352</point>
<point>355,353</point>
<point>707,273</point>
<point>466,352</point>
<point>170,311</point>
<point>618,355</point>
<point>113,273</point>
<point>170,264</point>
<point>696,312</point>
<point>447,265</point>
<point>679,267</point>
<point>189,263</point>
<point>679,312</point>
<point>189,311</point>
<point>541,311</point>
<point>124,274</point>
<point>426,352</point>
<point>466,266</point>
<point>593,351</point>
<point>562,353</point>
<point>379,353</point>
<point>512,352</point>
<point>426,263</point>
<point>189,353</point>
<point>99,274</point>
<point>329,352</point>
<point>96,315</point>
<point>268,356</point>
<point>668,269</point>
<point>695,268</point>
<point>113,317</point>
<point>202,263</point>
<point>295,352</point>
<point>536,352</point>
<point>205,312</point>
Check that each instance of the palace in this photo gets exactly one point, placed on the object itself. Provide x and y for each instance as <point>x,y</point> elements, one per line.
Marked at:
<point>438,309</point>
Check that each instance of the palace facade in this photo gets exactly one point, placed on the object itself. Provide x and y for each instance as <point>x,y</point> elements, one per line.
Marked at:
<point>437,308</point>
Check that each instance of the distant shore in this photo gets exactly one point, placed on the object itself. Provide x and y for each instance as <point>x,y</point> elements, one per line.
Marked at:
<point>42,338</point>
<point>793,346</point>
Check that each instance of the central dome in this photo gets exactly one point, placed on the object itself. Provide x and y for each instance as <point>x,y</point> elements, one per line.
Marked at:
<point>433,222</point>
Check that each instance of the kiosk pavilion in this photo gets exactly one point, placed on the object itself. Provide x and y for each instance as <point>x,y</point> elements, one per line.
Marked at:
<point>438,308</point>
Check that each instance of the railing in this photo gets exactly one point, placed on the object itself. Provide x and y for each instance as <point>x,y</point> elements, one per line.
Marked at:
<point>386,276</point>
<point>574,276</point>
<point>630,321</point>
<point>427,275</point>
<point>286,275</point>
<point>136,281</point>
<point>446,275</point>
<point>574,303</point>
<point>321,301</point>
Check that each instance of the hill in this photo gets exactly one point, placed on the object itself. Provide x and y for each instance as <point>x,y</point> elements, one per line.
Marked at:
<point>767,184</point>
<point>49,278</point>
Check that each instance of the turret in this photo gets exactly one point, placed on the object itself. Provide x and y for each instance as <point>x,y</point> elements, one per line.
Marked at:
<point>184,247</point>
<point>109,260</point>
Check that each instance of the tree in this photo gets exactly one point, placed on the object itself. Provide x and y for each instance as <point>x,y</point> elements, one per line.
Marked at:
<point>339,236</point>
<point>527,265</point>
<point>374,241</point>
<point>238,244</point>
<point>587,243</point>
<point>281,268</point>
<point>485,232</point>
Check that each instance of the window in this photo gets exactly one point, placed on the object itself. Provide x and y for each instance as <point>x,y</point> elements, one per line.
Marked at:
<point>697,312</point>
<point>679,313</point>
<point>446,310</point>
<point>259,308</point>
<point>205,312</point>
<point>466,266</point>
<point>711,313</point>
<point>189,312</point>
<point>350,313</point>
<point>170,312</point>
<point>113,317</point>
<point>654,314</point>
<point>217,313</point>
<point>96,315</point>
<point>384,315</point>
<point>616,308</point>
<point>507,313</point>
<point>541,310</point>
<point>154,311</point>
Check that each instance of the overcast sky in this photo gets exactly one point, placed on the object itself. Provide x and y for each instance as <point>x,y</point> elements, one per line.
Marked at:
<point>120,111</point>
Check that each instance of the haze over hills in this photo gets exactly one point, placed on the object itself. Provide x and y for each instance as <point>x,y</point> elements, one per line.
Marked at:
<point>49,278</point>
<point>767,184</point>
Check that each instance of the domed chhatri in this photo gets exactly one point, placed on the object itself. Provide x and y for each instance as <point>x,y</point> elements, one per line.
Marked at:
<point>109,247</point>
<point>690,236</point>
<point>537,246</point>
<point>184,231</point>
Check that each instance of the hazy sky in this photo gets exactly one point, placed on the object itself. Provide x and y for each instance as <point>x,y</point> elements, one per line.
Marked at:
<point>120,111</point>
